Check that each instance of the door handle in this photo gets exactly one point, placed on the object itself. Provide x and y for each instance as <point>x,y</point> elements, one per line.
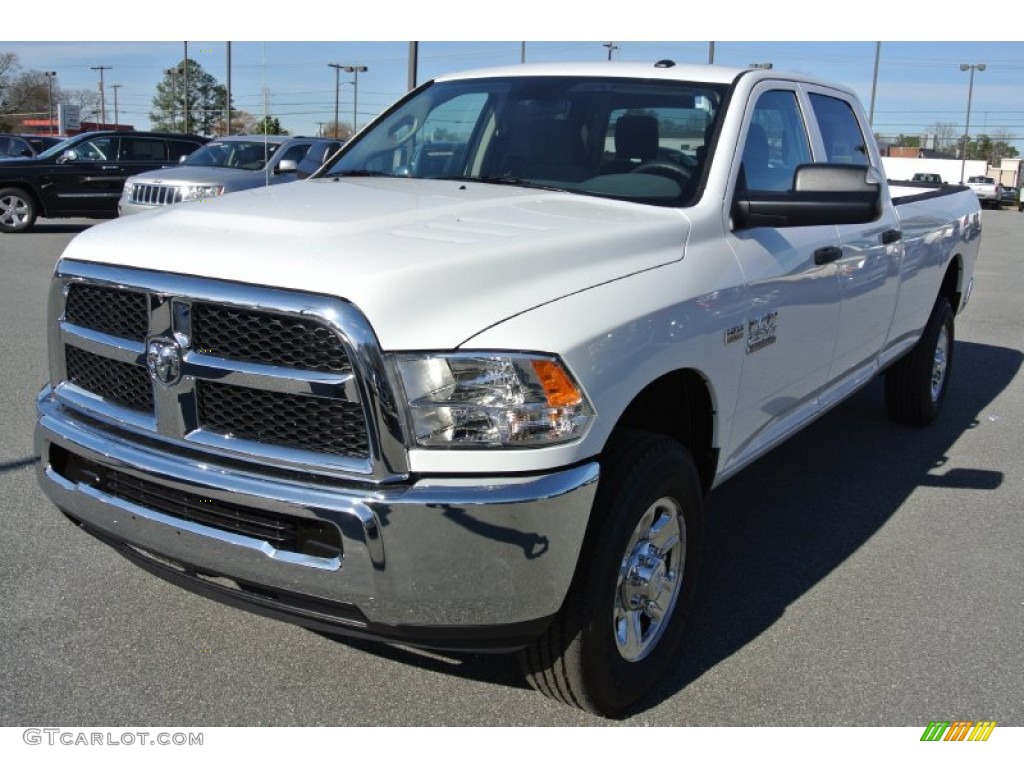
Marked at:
<point>827,254</point>
<point>891,236</point>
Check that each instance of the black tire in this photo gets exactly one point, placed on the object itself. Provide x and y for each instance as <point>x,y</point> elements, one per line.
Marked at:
<point>915,387</point>
<point>645,478</point>
<point>18,210</point>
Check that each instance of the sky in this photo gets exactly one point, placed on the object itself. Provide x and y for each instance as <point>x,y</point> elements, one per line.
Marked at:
<point>919,80</point>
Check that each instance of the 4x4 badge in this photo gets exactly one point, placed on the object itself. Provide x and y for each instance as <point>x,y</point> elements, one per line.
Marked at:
<point>163,359</point>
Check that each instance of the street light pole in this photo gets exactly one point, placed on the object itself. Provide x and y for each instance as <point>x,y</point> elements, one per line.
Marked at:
<point>49,95</point>
<point>337,90</point>
<point>355,70</point>
<point>967,125</point>
<point>612,47</point>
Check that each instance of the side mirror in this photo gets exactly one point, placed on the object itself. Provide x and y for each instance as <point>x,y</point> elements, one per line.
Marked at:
<point>286,166</point>
<point>822,194</point>
<point>182,159</point>
<point>26,153</point>
<point>69,156</point>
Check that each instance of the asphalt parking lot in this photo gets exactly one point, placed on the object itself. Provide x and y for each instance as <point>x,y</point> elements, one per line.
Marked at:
<point>861,574</point>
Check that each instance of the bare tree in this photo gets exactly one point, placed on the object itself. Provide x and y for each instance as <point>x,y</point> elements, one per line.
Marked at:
<point>946,136</point>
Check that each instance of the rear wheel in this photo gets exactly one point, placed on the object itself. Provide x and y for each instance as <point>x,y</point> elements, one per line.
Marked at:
<point>915,387</point>
<point>17,210</point>
<point>624,616</point>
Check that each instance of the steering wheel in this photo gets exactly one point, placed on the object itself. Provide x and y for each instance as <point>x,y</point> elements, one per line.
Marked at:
<point>676,173</point>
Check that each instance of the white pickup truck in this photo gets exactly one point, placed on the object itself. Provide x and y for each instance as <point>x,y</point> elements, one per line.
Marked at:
<point>467,387</point>
<point>987,190</point>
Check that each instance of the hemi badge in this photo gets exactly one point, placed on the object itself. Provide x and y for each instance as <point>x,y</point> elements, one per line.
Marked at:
<point>733,334</point>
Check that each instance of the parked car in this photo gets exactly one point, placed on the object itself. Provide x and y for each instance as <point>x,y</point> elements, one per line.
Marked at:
<point>1010,196</point>
<point>26,145</point>
<point>987,190</point>
<point>82,176</point>
<point>927,178</point>
<point>228,164</point>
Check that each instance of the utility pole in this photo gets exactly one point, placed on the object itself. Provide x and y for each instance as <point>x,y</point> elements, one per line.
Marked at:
<point>319,128</point>
<point>711,52</point>
<point>49,95</point>
<point>117,122</point>
<point>173,71</point>
<point>227,105</point>
<point>337,90</point>
<point>185,89</point>
<point>103,103</point>
<point>874,86</point>
<point>414,59</point>
<point>355,69</point>
<point>967,126</point>
<point>522,53</point>
<point>612,47</point>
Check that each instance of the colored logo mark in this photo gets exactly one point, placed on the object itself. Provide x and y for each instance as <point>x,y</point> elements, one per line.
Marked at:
<point>958,730</point>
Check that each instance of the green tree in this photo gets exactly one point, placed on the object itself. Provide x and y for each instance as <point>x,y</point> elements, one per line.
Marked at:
<point>906,141</point>
<point>991,149</point>
<point>206,100</point>
<point>269,125</point>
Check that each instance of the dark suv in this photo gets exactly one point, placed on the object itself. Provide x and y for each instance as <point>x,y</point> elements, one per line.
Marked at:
<point>84,175</point>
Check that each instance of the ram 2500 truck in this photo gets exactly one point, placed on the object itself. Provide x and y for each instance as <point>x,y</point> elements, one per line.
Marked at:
<point>467,386</point>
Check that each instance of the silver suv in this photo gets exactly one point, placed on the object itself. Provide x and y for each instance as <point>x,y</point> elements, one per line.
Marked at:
<point>228,164</point>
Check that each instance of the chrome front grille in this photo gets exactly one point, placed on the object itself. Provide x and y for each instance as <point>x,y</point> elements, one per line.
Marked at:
<point>119,313</point>
<point>279,418</point>
<point>282,378</point>
<point>122,383</point>
<point>155,194</point>
<point>266,338</point>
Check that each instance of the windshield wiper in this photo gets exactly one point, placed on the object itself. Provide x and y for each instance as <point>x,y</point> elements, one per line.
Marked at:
<point>512,181</point>
<point>359,173</point>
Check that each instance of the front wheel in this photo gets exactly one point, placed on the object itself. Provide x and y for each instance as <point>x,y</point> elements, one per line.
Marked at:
<point>17,210</point>
<point>623,619</point>
<point>915,387</point>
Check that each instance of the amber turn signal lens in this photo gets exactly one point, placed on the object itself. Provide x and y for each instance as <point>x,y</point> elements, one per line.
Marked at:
<point>557,385</point>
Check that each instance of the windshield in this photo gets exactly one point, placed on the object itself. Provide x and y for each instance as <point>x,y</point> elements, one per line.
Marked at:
<point>981,180</point>
<point>246,155</point>
<point>633,139</point>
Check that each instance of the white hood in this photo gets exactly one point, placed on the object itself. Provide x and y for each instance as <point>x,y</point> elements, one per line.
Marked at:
<point>429,262</point>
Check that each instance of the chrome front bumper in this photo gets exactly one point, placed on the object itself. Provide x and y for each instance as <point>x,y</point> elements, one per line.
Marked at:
<point>439,557</point>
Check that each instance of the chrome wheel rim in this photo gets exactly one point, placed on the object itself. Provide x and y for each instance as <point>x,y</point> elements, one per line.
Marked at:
<point>650,579</point>
<point>14,210</point>
<point>940,364</point>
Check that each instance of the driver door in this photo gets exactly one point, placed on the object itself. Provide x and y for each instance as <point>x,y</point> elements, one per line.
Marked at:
<point>91,183</point>
<point>789,331</point>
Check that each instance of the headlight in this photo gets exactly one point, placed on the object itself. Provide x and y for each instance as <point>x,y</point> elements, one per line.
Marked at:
<point>129,187</point>
<point>476,400</point>
<point>201,192</point>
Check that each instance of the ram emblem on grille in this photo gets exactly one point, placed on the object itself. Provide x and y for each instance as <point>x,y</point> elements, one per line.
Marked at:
<point>163,359</point>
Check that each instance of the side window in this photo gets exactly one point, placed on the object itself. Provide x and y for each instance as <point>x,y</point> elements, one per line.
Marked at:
<point>844,142</point>
<point>179,148</point>
<point>295,152</point>
<point>103,149</point>
<point>776,143</point>
<point>143,150</point>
